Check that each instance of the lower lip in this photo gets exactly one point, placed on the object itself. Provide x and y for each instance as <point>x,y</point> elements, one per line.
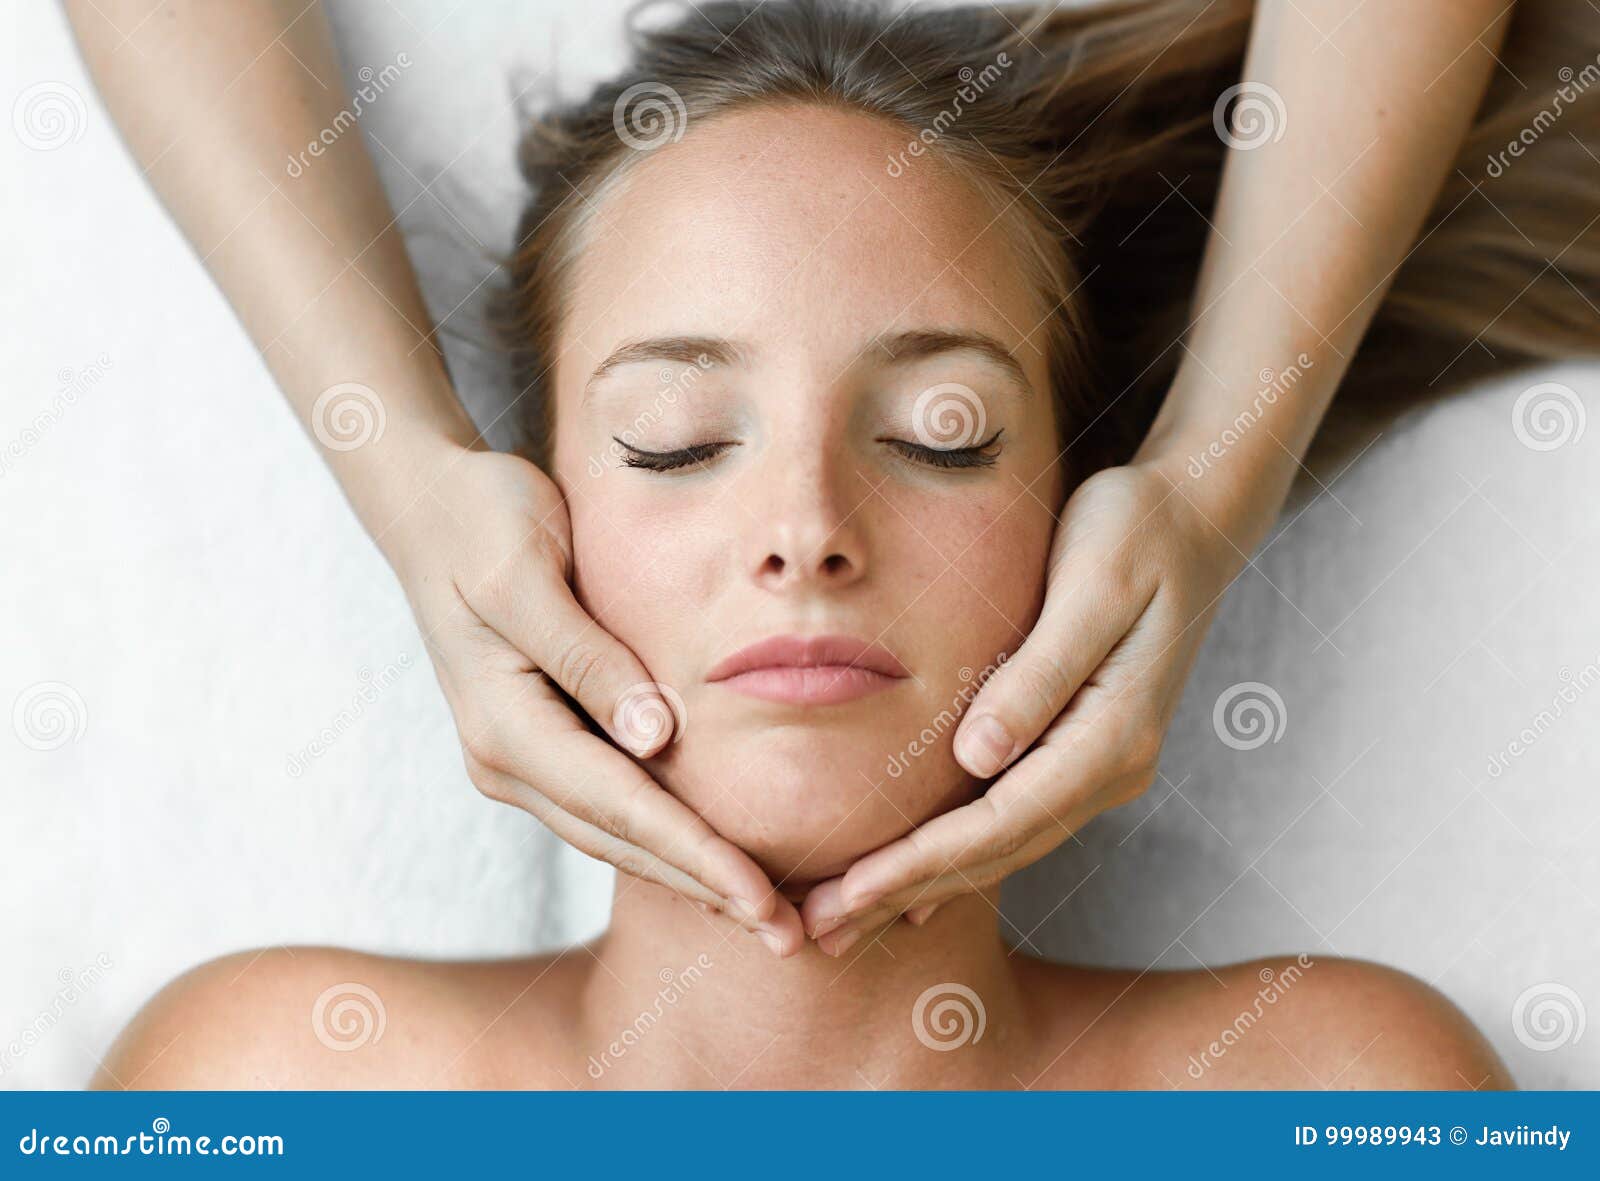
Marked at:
<point>813,685</point>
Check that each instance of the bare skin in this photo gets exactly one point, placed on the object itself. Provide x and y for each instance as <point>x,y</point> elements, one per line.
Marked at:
<point>744,1022</point>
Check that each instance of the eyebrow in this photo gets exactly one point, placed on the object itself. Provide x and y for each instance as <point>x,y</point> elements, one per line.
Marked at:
<point>924,342</point>
<point>703,351</point>
<point>912,345</point>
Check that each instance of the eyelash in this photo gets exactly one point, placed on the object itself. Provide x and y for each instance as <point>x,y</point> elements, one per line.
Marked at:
<point>670,461</point>
<point>978,455</point>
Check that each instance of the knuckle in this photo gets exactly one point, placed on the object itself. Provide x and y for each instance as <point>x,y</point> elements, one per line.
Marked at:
<point>486,745</point>
<point>617,825</point>
<point>1007,841</point>
<point>631,862</point>
<point>1131,790</point>
<point>1123,581</point>
<point>1142,751</point>
<point>549,552</point>
<point>1043,683</point>
<point>485,780</point>
<point>576,667</point>
<point>497,587</point>
<point>619,821</point>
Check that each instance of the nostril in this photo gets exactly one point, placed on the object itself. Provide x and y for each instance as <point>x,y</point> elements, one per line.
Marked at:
<point>835,564</point>
<point>773,565</point>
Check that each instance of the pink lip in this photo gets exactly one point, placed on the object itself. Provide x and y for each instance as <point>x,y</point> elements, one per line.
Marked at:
<point>809,670</point>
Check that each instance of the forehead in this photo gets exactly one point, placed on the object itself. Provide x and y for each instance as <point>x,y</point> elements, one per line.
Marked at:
<point>786,219</point>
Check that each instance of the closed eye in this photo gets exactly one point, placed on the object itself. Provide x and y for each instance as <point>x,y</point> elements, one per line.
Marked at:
<point>694,455</point>
<point>981,454</point>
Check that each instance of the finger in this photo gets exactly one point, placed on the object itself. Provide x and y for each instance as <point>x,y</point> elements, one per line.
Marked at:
<point>1035,806</point>
<point>543,620</point>
<point>916,904</point>
<point>824,908</point>
<point>585,776</point>
<point>781,931</point>
<point>825,912</point>
<point>1030,689</point>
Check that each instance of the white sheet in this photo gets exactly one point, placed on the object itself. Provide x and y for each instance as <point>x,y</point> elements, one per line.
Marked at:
<point>176,554</point>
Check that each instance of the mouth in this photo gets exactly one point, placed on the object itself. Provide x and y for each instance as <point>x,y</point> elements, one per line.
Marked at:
<point>809,670</point>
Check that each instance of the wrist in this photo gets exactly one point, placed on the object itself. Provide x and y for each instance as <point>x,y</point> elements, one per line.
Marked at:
<point>1238,483</point>
<point>393,483</point>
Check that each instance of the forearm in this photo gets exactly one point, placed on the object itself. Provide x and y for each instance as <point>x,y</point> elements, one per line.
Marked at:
<point>1309,230</point>
<point>213,101</point>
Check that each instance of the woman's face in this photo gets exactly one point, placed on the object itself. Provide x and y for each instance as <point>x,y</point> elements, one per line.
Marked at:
<point>832,500</point>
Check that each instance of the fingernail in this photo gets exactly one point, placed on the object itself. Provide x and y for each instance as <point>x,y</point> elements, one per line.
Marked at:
<point>860,899</point>
<point>772,941</point>
<point>827,925</point>
<point>741,909</point>
<point>922,914</point>
<point>845,942</point>
<point>985,746</point>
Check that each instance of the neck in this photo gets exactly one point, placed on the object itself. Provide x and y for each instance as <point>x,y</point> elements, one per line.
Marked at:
<point>680,999</point>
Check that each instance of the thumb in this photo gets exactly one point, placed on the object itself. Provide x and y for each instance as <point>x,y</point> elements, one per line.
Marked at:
<point>1030,690</point>
<point>548,625</point>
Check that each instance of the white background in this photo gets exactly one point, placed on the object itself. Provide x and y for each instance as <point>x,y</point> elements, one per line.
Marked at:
<point>172,548</point>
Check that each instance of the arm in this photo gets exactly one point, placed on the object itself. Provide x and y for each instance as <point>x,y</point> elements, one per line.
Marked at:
<point>1307,233</point>
<point>213,101</point>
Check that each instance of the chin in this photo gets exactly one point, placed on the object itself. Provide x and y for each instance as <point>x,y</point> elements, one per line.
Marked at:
<point>805,802</point>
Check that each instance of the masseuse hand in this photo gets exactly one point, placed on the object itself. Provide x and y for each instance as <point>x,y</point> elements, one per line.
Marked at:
<point>1135,572</point>
<point>484,558</point>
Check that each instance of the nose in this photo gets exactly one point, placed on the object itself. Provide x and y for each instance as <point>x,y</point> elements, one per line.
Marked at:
<point>807,527</point>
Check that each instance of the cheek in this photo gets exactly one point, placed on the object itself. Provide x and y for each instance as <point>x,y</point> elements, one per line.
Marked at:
<point>975,566</point>
<point>644,569</point>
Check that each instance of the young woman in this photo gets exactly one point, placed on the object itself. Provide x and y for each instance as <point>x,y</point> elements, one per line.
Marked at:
<point>823,312</point>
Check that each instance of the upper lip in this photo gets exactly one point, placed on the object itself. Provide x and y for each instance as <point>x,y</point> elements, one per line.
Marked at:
<point>809,652</point>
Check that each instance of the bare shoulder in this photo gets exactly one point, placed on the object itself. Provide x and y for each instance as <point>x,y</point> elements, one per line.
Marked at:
<point>326,1018</point>
<point>1283,1023</point>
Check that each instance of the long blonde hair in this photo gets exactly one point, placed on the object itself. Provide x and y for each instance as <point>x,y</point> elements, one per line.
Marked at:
<point>1074,123</point>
